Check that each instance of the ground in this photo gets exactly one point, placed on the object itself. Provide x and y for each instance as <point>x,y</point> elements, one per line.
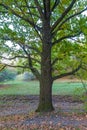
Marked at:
<point>17,113</point>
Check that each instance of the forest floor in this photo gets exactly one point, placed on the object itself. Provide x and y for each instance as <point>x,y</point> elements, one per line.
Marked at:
<point>17,113</point>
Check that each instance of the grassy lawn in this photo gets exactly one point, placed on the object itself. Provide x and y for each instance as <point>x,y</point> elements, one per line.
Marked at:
<point>32,88</point>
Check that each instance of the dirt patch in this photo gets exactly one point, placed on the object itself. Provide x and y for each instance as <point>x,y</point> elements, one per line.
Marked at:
<point>17,112</point>
<point>3,86</point>
<point>71,79</point>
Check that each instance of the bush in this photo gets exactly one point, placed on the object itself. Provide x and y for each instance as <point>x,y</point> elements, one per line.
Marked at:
<point>84,99</point>
<point>7,74</point>
<point>26,76</point>
<point>81,95</point>
<point>19,77</point>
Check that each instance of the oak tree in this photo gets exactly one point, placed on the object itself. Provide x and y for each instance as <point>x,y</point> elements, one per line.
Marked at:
<point>45,36</point>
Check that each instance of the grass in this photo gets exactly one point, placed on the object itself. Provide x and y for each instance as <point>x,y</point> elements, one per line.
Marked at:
<point>32,88</point>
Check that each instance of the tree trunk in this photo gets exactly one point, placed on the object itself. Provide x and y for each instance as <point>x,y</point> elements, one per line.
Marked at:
<point>45,101</point>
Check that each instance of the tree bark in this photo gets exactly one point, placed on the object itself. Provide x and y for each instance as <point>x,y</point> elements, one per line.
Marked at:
<point>45,100</point>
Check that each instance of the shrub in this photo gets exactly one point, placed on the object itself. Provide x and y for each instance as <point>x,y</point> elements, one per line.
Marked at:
<point>19,77</point>
<point>7,74</point>
<point>84,99</point>
<point>26,76</point>
<point>81,94</point>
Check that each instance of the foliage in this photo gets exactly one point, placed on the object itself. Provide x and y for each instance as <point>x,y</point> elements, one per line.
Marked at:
<point>7,74</point>
<point>21,25</point>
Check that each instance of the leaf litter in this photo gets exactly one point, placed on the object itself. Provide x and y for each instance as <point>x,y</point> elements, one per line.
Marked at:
<point>17,113</point>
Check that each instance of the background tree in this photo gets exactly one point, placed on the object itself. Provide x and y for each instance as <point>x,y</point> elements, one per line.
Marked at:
<point>45,34</point>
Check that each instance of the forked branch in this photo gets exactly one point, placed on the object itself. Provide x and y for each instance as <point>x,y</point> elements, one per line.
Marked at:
<point>66,11</point>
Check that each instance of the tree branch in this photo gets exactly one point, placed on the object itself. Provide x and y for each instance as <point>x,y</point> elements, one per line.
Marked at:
<point>30,47</point>
<point>34,70</point>
<point>84,68</point>
<point>21,44</point>
<point>19,66</point>
<point>63,15</point>
<point>22,17</point>
<point>55,60</point>
<point>46,8</point>
<point>56,3</point>
<point>36,60</point>
<point>78,13</point>
<point>2,67</point>
<point>68,73</point>
<point>44,4</point>
<point>66,37</point>
<point>39,9</point>
<point>36,29</point>
<point>12,58</point>
<point>25,57</point>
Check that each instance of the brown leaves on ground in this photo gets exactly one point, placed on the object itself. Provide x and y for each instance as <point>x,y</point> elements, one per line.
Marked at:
<point>64,117</point>
<point>15,122</point>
